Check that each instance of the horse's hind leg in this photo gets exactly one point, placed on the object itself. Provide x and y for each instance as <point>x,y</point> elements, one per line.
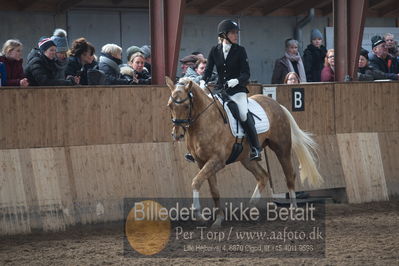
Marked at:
<point>261,175</point>
<point>284,157</point>
<point>216,198</point>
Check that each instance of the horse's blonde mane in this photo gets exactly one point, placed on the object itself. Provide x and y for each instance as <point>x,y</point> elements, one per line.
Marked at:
<point>185,80</point>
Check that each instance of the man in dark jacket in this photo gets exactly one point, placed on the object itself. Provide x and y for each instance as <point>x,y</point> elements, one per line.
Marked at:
<point>365,72</point>
<point>41,69</point>
<point>381,60</point>
<point>313,57</point>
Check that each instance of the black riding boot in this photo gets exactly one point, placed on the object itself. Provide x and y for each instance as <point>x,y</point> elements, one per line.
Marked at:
<point>249,128</point>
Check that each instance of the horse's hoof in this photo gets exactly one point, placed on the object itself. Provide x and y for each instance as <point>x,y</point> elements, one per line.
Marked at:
<point>216,225</point>
<point>218,222</point>
<point>253,202</point>
<point>199,218</point>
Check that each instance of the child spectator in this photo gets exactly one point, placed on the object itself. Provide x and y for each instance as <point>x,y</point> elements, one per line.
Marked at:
<point>12,59</point>
<point>290,62</point>
<point>313,57</point>
<point>328,73</point>
<point>110,59</point>
<point>41,69</point>
<point>292,78</point>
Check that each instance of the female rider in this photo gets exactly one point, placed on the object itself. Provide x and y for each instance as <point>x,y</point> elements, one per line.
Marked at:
<point>231,63</point>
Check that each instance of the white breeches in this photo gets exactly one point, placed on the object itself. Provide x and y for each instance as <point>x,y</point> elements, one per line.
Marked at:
<point>241,100</point>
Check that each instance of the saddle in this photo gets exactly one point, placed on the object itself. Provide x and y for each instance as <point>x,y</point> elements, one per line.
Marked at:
<point>232,113</point>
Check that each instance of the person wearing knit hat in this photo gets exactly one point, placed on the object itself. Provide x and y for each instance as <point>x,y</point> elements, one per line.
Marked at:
<point>313,56</point>
<point>146,49</point>
<point>316,34</point>
<point>132,50</point>
<point>60,39</point>
<point>41,69</point>
<point>45,44</point>
<point>380,60</point>
<point>147,56</point>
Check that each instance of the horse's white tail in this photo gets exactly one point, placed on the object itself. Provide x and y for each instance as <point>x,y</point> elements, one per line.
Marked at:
<point>305,149</point>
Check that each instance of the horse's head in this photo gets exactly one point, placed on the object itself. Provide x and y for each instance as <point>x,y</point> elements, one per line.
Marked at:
<point>181,107</point>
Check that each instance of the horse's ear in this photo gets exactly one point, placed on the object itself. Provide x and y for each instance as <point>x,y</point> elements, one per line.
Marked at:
<point>188,85</point>
<point>170,83</point>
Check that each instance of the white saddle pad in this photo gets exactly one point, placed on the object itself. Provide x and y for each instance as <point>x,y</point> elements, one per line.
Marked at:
<point>261,125</point>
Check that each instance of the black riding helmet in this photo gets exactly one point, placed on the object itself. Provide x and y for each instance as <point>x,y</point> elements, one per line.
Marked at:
<point>226,26</point>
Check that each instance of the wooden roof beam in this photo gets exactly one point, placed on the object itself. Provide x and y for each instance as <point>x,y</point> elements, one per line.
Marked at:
<point>306,5</point>
<point>24,5</point>
<point>327,9</point>
<point>66,4</point>
<point>243,6</point>
<point>379,3</point>
<point>210,5</point>
<point>116,2</point>
<point>372,3</point>
<point>391,9</point>
<point>274,5</point>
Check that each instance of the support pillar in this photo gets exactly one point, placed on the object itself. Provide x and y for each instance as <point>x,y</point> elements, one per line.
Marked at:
<point>349,17</point>
<point>166,21</point>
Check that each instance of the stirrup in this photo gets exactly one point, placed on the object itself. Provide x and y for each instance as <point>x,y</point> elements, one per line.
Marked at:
<point>189,158</point>
<point>255,154</point>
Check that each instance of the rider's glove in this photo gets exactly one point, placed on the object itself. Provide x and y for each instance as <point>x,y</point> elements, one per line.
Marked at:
<point>202,84</point>
<point>232,83</point>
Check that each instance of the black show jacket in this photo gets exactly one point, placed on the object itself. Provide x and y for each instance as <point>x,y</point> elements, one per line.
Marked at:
<point>234,67</point>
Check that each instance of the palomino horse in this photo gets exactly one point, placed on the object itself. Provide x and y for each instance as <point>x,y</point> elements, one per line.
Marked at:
<point>210,141</point>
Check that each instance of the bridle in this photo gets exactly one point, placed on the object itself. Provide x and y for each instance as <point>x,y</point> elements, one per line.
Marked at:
<point>186,123</point>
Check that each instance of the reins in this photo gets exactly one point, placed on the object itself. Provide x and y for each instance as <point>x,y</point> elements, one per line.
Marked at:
<point>189,121</point>
<point>186,123</point>
<point>214,100</point>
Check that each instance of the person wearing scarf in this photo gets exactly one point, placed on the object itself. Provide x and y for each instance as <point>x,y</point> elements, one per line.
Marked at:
<point>290,62</point>
<point>110,59</point>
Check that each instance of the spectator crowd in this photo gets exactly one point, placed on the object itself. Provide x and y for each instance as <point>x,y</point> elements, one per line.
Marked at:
<point>54,63</point>
<point>318,65</point>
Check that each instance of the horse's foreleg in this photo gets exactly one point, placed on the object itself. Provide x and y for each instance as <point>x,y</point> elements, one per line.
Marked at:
<point>216,198</point>
<point>208,170</point>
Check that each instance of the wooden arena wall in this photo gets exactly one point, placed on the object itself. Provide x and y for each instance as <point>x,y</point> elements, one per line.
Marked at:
<point>70,155</point>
